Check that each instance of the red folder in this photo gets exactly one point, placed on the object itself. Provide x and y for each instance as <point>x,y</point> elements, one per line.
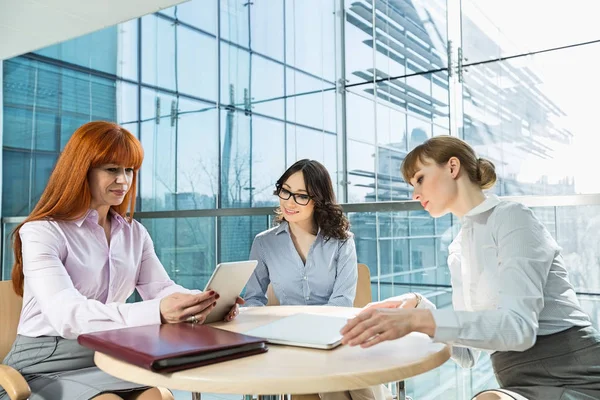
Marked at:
<point>173,347</point>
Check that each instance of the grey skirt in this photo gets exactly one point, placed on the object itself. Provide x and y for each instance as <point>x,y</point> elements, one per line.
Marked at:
<point>561,366</point>
<point>61,369</point>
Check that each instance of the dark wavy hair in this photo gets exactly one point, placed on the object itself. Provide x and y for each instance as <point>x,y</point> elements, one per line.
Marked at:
<point>328,215</point>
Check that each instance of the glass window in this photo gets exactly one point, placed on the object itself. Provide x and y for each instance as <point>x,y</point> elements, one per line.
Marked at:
<point>308,143</point>
<point>237,234</point>
<point>235,76</point>
<point>360,114</point>
<point>24,176</point>
<point>159,138</point>
<point>310,36</point>
<point>531,120</point>
<point>158,52</point>
<point>200,13</point>
<point>310,101</point>
<point>267,87</point>
<point>391,126</point>
<point>236,158</point>
<point>197,156</point>
<point>196,64</point>
<point>493,29</point>
<point>358,44</point>
<point>268,159</point>
<point>234,21</point>
<point>361,172</point>
<point>266,19</point>
<point>97,50</point>
<point>185,247</point>
<point>126,102</point>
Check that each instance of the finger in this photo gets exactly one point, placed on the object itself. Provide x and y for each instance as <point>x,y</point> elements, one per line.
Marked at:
<point>198,308</point>
<point>240,301</point>
<point>358,330</point>
<point>375,340</point>
<point>367,334</point>
<point>193,300</point>
<point>202,316</point>
<point>352,323</point>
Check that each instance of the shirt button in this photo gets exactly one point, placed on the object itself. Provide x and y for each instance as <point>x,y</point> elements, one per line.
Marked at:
<point>307,298</point>
<point>305,277</point>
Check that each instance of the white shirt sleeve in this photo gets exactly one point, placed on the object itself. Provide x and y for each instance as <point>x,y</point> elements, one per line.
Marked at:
<point>525,254</point>
<point>66,309</point>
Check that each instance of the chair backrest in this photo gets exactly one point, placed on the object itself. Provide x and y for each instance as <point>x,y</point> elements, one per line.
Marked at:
<point>363,289</point>
<point>10,311</point>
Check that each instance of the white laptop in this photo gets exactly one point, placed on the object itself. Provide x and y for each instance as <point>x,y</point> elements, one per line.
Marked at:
<point>303,330</point>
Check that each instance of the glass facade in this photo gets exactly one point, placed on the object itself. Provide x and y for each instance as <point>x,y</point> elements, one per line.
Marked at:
<point>225,94</point>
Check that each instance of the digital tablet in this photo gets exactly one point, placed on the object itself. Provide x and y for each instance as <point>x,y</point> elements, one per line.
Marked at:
<point>228,280</point>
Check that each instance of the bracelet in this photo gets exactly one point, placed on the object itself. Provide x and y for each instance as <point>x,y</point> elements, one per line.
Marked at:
<point>419,298</point>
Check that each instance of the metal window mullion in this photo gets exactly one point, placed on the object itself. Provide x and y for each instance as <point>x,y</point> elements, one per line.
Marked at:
<point>218,202</point>
<point>341,94</point>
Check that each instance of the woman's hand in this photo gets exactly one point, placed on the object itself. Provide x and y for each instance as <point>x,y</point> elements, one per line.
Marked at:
<point>235,310</point>
<point>408,300</point>
<point>179,307</point>
<point>374,325</point>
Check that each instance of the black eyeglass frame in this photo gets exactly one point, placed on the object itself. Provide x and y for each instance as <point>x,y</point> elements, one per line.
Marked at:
<point>279,189</point>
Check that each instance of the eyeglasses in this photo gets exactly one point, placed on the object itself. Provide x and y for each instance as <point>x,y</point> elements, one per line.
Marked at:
<point>300,199</point>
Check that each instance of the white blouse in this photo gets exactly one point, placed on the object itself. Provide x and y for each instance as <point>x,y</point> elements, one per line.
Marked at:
<point>509,283</point>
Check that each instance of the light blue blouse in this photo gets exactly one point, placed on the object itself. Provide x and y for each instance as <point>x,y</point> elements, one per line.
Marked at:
<point>329,276</point>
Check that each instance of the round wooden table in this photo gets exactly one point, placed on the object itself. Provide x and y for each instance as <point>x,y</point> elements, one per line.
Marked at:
<point>294,370</point>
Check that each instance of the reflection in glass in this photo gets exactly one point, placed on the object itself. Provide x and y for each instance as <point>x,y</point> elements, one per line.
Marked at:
<point>185,247</point>
<point>310,101</point>
<point>234,21</point>
<point>266,21</point>
<point>493,29</point>
<point>268,159</point>
<point>196,64</point>
<point>313,144</point>
<point>310,36</point>
<point>237,234</point>
<point>158,55</point>
<point>42,106</point>
<point>236,159</point>
<point>533,123</point>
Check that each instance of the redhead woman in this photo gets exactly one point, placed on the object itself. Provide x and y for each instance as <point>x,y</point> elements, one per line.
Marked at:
<point>511,292</point>
<point>78,256</point>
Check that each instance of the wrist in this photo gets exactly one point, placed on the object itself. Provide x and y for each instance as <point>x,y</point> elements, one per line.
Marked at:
<point>422,321</point>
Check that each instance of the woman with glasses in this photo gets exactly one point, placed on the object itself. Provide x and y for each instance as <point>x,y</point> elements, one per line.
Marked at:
<point>309,257</point>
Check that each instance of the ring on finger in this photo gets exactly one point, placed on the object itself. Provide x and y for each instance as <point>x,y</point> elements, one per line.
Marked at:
<point>192,319</point>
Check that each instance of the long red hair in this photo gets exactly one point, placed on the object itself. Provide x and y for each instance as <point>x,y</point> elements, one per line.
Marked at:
<point>67,196</point>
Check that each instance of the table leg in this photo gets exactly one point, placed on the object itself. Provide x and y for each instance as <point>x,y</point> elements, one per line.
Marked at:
<point>272,397</point>
<point>400,391</point>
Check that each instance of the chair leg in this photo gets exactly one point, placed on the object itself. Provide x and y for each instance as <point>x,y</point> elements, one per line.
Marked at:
<point>400,391</point>
<point>196,396</point>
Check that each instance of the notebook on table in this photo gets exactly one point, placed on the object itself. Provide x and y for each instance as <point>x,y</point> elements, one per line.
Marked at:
<point>173,347</point>
<point>303,330</point>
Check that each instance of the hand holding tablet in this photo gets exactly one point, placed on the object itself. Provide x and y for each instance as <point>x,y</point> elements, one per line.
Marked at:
<point>228,281</point>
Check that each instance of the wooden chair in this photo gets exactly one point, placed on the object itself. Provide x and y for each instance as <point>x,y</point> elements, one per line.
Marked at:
<point>362,298</point>
<point>10,310</point>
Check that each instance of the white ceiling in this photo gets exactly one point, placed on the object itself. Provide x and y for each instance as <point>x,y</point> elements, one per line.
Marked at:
<point>28,25</point>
